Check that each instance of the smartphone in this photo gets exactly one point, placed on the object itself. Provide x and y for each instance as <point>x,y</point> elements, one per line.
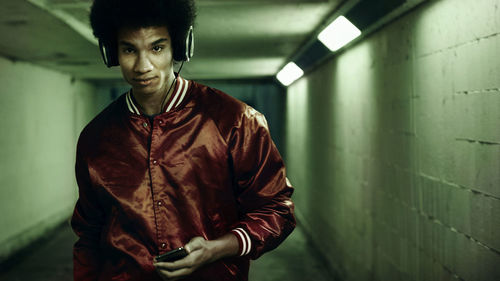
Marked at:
<point>175,254</point>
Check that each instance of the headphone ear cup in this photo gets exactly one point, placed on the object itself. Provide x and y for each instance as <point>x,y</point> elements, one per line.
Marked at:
<point>184,47</point>
<point>113,56</point>
<point>189,44</point>
<point>104,53</point>
<point>109,55</point>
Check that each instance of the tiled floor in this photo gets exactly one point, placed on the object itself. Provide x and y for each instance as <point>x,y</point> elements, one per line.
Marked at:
<point>51,261</point>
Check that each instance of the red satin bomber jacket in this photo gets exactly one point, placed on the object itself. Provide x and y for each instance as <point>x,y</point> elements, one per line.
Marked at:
<point>204,167</point>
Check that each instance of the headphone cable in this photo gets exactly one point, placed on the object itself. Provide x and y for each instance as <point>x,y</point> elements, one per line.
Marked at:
<point>170,88</point>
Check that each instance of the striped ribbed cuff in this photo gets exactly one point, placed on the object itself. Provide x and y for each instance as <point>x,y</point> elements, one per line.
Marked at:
<point>243,240</point>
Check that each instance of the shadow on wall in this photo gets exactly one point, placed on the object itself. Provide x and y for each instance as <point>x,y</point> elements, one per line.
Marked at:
<point>390,174</point>
<point>265,95</point>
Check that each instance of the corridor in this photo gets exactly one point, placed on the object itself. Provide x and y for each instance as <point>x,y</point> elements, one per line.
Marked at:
<point>191,117</point>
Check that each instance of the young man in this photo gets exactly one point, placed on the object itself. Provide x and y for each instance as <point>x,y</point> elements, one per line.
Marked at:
<point>172,163</point>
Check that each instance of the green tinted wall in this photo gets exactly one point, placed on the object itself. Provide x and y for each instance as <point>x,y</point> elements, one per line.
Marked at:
<point>394,148</point>
<point>42,114</point>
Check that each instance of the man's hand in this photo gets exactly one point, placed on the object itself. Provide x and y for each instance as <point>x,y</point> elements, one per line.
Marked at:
<point>200,252</point>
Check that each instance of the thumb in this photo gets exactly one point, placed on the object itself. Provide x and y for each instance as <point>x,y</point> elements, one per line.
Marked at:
<point>194,244</point>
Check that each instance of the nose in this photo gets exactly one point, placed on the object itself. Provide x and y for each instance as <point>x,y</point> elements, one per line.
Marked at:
<point>143,64</point>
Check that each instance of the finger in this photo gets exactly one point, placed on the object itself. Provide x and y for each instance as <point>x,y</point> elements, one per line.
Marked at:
<point>186,262</point>
<point>165,275</point>
<point>164,278</point>
<point>176,274</point>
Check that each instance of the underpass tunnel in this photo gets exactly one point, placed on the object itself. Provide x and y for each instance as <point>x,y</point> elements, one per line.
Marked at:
<point>391,141</point>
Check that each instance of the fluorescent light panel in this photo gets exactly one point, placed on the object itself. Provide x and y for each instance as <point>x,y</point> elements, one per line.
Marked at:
<point>289,74</point>
<point>340,32</point>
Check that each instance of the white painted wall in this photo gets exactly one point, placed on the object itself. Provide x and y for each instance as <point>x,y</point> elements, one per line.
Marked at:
<point>42,113</point>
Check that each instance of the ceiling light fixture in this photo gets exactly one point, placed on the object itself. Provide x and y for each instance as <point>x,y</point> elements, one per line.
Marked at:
<point>289,74</point>
<point>338,33</point>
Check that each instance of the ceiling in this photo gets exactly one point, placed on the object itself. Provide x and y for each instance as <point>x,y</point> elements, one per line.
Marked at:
<point>234,39</point>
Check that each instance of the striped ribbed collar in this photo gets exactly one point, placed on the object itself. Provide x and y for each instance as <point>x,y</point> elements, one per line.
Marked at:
<point>174,101</point>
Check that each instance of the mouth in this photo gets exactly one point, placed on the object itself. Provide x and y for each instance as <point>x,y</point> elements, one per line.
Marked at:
<point>145,81</point>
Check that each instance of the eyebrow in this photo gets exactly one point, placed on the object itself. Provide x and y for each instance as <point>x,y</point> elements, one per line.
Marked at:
<point>161,40</point>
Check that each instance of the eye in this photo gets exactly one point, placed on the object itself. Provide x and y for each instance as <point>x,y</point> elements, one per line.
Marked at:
<point>157,49</point>
<point>128,50</point>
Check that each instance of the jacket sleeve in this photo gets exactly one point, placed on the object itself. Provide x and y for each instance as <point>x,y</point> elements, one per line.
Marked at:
<point>87,223</point>
<point>263,191</point>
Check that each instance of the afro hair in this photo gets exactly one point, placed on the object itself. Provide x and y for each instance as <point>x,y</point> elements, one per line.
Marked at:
<point>108,16</point>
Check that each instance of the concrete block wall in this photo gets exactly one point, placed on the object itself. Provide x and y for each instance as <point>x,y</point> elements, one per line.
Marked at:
<point>42,113</point>
<point>394,148</point>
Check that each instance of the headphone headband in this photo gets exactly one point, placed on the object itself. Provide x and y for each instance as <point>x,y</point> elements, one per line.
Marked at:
<point>110,56</point>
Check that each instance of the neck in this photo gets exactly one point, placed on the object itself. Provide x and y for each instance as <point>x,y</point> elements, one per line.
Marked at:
<point>152,104</point>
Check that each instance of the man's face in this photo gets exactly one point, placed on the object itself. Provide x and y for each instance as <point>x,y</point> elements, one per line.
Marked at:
<point>145,56</point>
